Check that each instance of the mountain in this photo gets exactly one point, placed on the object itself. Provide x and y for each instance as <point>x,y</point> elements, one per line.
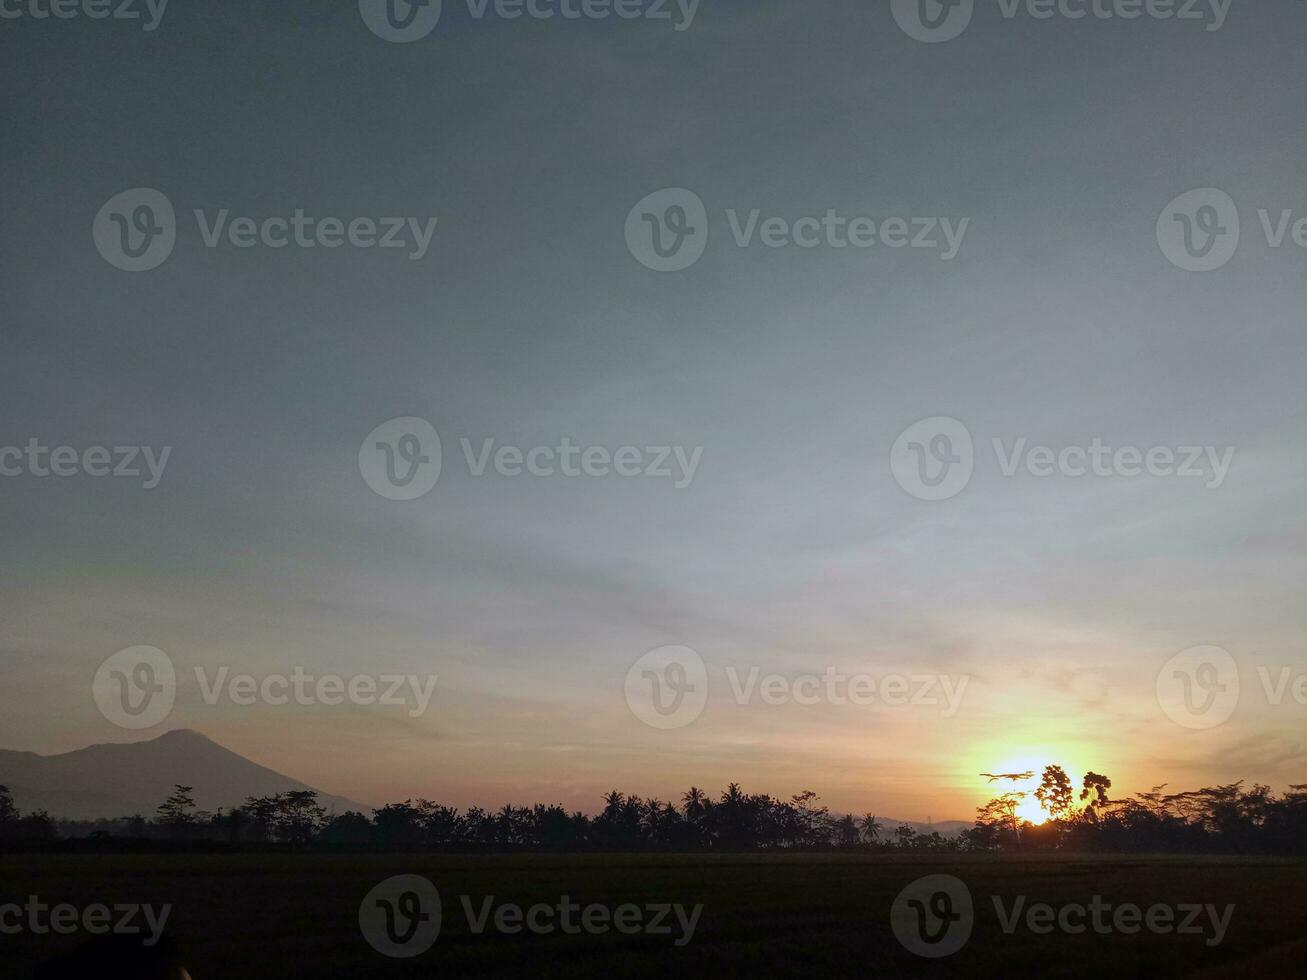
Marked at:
<point>126,779</point>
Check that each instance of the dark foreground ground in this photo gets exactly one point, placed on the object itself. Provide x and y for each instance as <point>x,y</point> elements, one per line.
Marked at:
<point>253,916</point>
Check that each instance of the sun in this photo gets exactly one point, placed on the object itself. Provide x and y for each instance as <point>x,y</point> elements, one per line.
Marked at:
<point>1030,810</point>
<point>1033,761</point>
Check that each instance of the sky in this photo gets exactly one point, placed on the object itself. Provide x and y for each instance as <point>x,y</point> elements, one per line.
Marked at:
<point>794,546</point>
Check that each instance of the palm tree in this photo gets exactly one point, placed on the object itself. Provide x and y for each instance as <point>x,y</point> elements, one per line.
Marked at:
<point>694,802</point>
<point>871,828</point>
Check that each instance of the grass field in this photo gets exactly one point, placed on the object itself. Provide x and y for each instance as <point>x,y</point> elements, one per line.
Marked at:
<point>253,916</point>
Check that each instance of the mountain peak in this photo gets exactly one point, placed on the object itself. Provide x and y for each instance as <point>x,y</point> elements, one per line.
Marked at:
<point>120,779</point>
<point>184,735</point>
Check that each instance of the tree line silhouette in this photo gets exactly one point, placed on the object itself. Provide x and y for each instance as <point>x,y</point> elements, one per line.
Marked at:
<point>1218,819</point>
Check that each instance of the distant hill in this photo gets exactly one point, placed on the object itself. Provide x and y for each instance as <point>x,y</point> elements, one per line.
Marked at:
<point>127,779</point>
<point>945,828</point>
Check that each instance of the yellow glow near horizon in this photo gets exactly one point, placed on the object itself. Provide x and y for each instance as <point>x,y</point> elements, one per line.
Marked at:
<point>1031,811</point>
<point>1034,762</point>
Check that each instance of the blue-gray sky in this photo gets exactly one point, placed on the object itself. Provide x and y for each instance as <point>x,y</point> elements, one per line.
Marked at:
<point>793,548</point>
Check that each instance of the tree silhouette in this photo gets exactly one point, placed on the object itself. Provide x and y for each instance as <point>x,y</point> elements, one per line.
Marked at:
<point>695,803</point>
<point>870,828</point>
<point>846,831</point>
<point>905,835</point>
<point>1225,819</point>
<point>8,812</point>
<point>178,810</point>
<point>1054,792</point>
<point>1001,813</point>
<point>1095,789</point>
<point>301,817</point>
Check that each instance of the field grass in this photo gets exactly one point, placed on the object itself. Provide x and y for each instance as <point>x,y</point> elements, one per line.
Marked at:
<point>254,916</point>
